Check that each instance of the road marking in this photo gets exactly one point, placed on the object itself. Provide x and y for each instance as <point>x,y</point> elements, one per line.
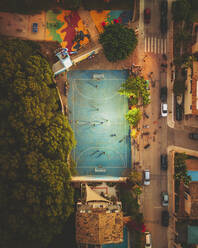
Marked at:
<point>165,46</point>
<point>158,45</point>
<point>155,45</point>
<point>152,44</point>
<point>162,44</point>
<point>145,45</point>
<point>148,44</point>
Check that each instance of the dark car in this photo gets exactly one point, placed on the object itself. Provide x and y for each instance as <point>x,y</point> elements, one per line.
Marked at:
<point>164,8</point>
<point>163,94</point>
<point>147,15</point>
<point>163,25</point>
<point>179,112</point>
<point>165,218</point>
<point>164,161</point>
<point>193,136</point>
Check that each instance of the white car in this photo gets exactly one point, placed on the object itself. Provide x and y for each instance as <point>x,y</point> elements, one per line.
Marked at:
<point>148,240</point>
<point>164,109</point>
<point>146,177</point>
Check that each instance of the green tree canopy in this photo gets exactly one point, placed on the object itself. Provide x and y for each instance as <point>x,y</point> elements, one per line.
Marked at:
<point>181,169</point>
<point>36,6</point>
<point>179,87</point>
<point>180,10</point>
<point>35,191</point>
<point>133,116</point>
<point>118,41</point>
<point>135,88</point>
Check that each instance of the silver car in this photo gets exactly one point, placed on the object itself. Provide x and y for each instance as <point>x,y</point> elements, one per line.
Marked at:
<point>146,177</point>
<point>164,198</point>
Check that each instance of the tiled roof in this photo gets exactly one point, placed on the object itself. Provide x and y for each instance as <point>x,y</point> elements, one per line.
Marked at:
<point>192,164</point>
<point>99,226</point>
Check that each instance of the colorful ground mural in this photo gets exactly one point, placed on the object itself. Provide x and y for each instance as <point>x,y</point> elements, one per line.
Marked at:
<point>105,17</point>
<point>67,28</point>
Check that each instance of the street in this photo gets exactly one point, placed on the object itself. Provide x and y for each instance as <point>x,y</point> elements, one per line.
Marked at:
<point>164,132</point>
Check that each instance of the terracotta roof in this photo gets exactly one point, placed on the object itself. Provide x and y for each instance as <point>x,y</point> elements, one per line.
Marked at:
<point>99,226</point>
<point>192,164</point>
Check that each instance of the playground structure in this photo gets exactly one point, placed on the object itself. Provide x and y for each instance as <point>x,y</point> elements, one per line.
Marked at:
<point>65,62</point>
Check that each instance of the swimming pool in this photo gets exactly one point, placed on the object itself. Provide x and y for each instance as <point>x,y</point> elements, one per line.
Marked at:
<point>193,174</point>
<point>97,118</point>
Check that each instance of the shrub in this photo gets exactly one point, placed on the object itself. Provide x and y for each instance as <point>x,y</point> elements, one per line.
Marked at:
<point>133,116</point>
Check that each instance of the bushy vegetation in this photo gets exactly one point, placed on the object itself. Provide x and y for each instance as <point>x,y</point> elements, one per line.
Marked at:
<point>111,4</point>
<point>179,87</point>
<point>118,41</point>
<point>131,208</point>
<point>35,191</point>
<point>36,6</point>
<point>180,10</point>
<point>181,169</point>
<point>134,116</point>
<point>135,88</point>
<point>135,182</point>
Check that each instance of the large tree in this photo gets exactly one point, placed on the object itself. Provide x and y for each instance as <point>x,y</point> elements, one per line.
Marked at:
<point>180,10</point>
<point>118,41</point>
<point>135,88</point>
<point>35,191</point>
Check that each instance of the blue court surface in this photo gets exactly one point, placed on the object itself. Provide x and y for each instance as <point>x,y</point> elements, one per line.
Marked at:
<point>97,116</point>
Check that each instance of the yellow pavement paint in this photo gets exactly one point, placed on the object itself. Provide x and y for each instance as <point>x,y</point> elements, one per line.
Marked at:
<point>48,36</point>
<point>98,18</point>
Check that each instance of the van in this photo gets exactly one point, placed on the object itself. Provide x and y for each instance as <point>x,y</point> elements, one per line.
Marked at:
<point>146,177</point>
<point>148,240</point>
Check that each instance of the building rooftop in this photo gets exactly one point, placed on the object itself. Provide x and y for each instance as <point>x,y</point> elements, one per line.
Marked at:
<point>99,226</point>
<point>98,220</point>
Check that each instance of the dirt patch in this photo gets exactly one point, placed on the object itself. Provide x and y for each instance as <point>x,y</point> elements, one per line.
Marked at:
<point>99,62</point>
<point>48,50</point>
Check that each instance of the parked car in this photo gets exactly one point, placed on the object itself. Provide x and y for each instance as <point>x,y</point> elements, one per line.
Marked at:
<point>165,218</point>
<point>179,112</point>
<point>147,16</point>
<point>164,8</point>
<point>193,136</point>
<point>164,161</point>
<point>163,25</point>
<point>163,94</point>
<point>164,109</point>
<point>148,240</point>
<point>146,177</point>
<point>35,27</point>
<point>164,199</point>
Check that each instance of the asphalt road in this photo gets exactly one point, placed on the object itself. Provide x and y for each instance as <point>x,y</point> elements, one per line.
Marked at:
<point>151,157</point>
<point>179,137</point>
<point>154,45</point>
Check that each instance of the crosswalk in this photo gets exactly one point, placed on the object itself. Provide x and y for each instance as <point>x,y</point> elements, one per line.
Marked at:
<point>156,45</point>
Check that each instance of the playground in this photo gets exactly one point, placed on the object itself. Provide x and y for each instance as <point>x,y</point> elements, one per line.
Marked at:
<point>97,116</point>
